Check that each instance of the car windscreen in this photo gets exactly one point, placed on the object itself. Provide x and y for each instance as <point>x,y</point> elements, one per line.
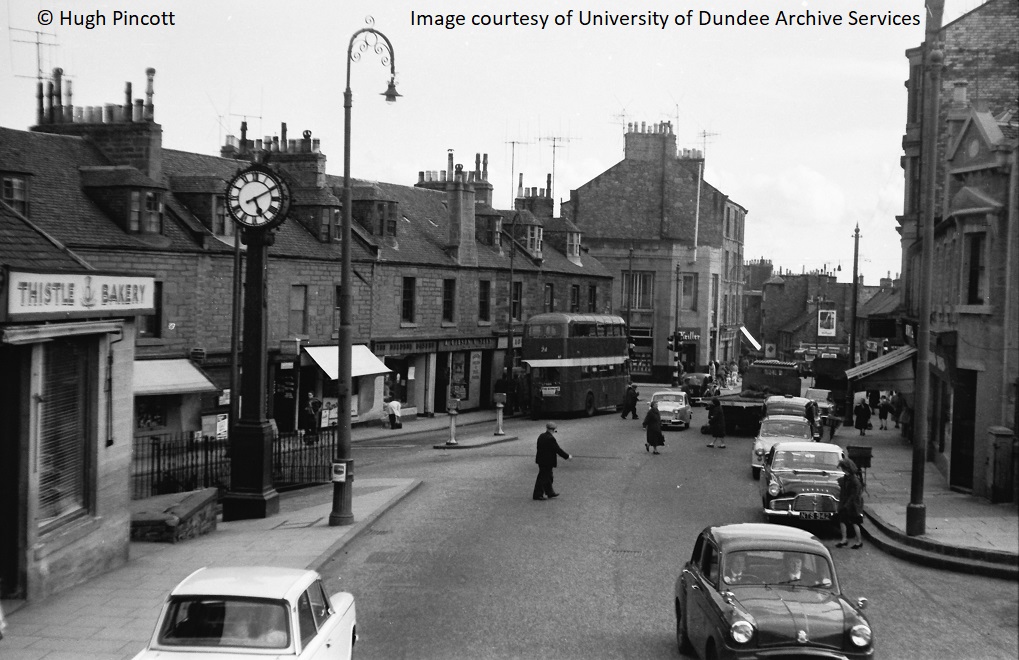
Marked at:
<point>782,408</point>
<point>771,428</point>
<point>229,622</point>
<point>674,398</point>
<point>806,460</point>
<point>773,567</point>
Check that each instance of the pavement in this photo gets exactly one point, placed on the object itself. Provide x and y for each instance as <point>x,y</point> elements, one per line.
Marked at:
<point>111,617</point>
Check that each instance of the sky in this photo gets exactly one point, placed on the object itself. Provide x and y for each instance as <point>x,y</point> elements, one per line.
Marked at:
<point>800,124</point>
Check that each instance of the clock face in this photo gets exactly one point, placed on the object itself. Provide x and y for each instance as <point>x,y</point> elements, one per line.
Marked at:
<point>257,197</point>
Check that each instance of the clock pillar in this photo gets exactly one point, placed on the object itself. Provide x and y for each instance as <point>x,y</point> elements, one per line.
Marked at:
<point>251,493</point>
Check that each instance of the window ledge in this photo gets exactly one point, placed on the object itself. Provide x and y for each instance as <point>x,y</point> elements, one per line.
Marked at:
<point>485,324</point>
<point>448,324</point>
<point>985,310</point>
<point>66,534</point>
<point>407,324</point>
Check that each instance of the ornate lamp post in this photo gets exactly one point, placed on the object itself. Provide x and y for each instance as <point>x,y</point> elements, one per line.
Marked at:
<point>343,477</point>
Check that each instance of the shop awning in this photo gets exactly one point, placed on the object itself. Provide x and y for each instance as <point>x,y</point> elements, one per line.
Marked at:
<point>169,377</point>
<point>750,338</point>
<point>362,361</point>
<point>577,362</point>
<point>891,371</point>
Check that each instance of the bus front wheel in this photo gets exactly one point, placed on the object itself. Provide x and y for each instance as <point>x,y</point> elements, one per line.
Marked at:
<point>589,405</point>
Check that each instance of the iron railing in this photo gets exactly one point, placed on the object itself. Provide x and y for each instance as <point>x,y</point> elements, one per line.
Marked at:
<point>179,462</point>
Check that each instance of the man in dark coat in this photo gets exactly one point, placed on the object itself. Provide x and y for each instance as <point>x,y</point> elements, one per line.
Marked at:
<point>548,449</point>
<point>630,401</point>
<point>716,421</point>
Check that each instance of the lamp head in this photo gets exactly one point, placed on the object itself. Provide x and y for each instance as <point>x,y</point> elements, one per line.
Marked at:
<point>391,94</point>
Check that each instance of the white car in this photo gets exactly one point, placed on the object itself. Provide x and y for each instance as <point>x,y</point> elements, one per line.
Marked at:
<point>254,612</point>
<point>778,428</point>
<point>674,408</point>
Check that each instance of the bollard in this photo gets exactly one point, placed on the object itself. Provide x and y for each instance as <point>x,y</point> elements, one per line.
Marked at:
<point>498,419</point>
<point>452,427</point>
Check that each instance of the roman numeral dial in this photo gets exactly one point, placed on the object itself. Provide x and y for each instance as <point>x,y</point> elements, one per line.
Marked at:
<point>258,197</point>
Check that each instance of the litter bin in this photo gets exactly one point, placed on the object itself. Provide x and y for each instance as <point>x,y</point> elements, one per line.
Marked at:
<point>861,456</point>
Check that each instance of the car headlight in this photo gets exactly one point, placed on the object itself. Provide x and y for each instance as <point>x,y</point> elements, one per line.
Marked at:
<point>774,488</point>
<point>741,631</point>
<point>860,635</point>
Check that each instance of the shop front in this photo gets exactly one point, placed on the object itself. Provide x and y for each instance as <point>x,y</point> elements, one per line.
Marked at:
<point>317,378</point>
<point>464,372</point>
<point>66,401</point>
<point>412,373</point>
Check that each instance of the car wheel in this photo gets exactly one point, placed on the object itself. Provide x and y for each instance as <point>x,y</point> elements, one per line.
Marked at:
<point>757,472</point>
<point>589,405</point>
<point>682,639</point>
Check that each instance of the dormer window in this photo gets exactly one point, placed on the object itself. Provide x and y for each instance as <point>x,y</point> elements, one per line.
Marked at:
<point>573,244</point>
<point>146,212</point>
<point>14,192</point>
<point>534,235</point>
<point>222,223</point>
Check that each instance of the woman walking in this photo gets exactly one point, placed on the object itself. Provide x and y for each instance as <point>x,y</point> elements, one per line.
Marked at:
<point>850,509</point>
<point>716,422</point>
<point>862,413</point>
<point>653,424</point>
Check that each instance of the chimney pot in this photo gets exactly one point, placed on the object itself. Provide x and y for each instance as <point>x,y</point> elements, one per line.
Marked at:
<point>484,167</point>
<point>128,103</point>
<point>283,135</point>
<point>421,177</point>
<point>258,145</point>
<point>139,111</point>
<point>150,109</point>
<point>316,145</point>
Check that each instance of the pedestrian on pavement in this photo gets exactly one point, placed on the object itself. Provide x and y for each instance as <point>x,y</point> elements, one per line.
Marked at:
<point>850,508</point>
<point>630,401</point>
<point>393,409</point>
<point>545,457</point>
<point>906,420</point>
<point>653,424</point>
<point>309,413</point>
<point>883,409</point>
<point>896,402</point>
<point>716,422</point>
<point>861,415</point>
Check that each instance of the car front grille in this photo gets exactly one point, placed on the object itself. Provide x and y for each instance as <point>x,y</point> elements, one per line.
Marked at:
<point>815,502</point>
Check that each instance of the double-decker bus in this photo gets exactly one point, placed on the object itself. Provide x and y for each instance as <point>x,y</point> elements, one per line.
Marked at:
<point>578,361</point>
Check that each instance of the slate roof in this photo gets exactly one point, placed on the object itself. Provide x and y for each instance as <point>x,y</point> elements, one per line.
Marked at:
<point>59,167</point>
<point>799,321</point>
<point>24,245</point>
<point>883,303</point>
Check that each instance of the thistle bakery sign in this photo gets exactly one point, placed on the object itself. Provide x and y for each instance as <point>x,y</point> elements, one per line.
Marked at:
<point>40,295</point>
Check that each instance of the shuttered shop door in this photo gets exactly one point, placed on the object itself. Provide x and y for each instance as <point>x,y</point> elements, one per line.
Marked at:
<point>63,431</point>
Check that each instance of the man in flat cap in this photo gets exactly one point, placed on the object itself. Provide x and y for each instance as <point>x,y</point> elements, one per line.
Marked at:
<point>548,449</point>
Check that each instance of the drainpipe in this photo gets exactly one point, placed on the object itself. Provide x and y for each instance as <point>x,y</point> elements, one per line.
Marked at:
<point>109,387</point>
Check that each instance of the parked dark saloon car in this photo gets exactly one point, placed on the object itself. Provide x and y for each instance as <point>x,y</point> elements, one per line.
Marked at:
<point>800,481</point>
<point>756,590</point>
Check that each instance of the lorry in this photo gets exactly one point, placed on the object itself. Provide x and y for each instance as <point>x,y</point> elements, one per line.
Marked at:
<point>743,412</point>
<point>830,374</point>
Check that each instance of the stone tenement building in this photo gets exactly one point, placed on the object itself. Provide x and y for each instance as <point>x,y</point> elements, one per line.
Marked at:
<point>653,215</point>
<point>974,216</point>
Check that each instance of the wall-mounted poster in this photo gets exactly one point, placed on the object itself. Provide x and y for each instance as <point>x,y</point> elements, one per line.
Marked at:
<point>826,323</point>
